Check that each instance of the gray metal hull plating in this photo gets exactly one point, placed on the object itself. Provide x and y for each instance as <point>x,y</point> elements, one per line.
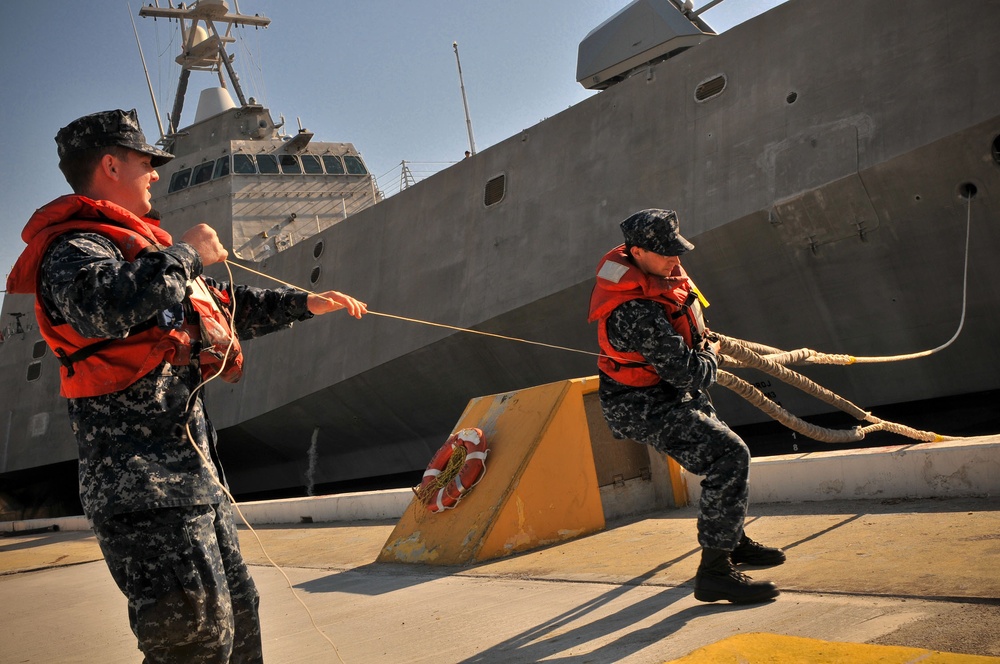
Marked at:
<point>821,187</point>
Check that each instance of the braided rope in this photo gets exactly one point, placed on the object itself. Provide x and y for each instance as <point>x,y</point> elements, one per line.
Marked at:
<point>738,353</point>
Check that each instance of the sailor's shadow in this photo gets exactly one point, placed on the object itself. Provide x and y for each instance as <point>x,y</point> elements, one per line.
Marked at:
<point>376,579</point>
<point>546,640</point>
<point>569,630</point>
<point>817,534</point>
<point>40,537</point>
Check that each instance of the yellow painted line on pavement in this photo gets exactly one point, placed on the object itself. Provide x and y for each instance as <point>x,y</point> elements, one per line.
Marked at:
<point>763,648</point>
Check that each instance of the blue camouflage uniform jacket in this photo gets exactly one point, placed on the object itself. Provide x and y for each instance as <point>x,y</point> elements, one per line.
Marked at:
<point>642,326</point>
<point>134,449</point>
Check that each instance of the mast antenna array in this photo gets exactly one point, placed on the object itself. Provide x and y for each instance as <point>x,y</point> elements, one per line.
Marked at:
<point>204,48</point>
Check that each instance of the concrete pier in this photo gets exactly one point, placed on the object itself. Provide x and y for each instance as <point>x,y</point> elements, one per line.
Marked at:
<point>917,574</point>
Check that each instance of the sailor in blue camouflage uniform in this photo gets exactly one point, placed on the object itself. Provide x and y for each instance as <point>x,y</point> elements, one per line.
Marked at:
<point>158,509</point>
<point>657,367</point>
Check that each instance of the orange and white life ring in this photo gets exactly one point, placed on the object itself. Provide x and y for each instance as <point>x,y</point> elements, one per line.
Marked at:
<point>474,469</point>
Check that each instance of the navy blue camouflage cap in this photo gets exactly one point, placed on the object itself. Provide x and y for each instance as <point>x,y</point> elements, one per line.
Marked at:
<point>657,231</point>
<point>107,128</point>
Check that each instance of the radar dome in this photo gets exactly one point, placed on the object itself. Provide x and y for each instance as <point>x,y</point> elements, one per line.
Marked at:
<point>200,35</point>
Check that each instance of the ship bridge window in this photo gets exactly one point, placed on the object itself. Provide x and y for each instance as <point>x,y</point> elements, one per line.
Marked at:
<point>267,164</point>
<point>179,180</point>
<point>289,164</point>
<point>243,164</point>
<point>221,167</point>
<point>203,173</point>
<point>354,165</point>
<point>333,164</point>
<point>311,164</point>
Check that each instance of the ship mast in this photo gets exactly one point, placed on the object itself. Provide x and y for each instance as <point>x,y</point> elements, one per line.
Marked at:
<point>204,47</point>
<point>465,101</point>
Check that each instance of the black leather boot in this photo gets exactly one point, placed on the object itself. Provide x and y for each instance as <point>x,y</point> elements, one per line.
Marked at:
<point>753,553</point>
<point>717,580</point>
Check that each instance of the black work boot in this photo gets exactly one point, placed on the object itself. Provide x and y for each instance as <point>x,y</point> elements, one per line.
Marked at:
<point>717,579</point>
<point>753,553</point>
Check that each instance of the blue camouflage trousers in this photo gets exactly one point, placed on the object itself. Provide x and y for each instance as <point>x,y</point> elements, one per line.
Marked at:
<point>191,599</point>
<point>702,444</point>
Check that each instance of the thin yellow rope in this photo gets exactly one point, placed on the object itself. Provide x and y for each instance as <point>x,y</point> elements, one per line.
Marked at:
<point>431,323</point>
<point>210,466</point>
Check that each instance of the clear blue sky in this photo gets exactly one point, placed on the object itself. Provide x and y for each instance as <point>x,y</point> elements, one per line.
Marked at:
<point>380,74</point>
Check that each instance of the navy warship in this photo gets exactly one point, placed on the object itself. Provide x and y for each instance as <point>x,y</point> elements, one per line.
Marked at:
<point>827,160</point>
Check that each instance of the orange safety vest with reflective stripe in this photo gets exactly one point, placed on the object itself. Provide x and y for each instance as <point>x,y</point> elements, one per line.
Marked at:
<point>92,367</point>
<point>618,281</point>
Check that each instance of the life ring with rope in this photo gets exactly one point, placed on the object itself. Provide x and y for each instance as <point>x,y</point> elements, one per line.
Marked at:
<point>454,469</point>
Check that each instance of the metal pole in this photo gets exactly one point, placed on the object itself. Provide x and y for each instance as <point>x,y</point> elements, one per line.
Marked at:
<point>149,83</point>
<point>706,7</point>
<point>465,101</point>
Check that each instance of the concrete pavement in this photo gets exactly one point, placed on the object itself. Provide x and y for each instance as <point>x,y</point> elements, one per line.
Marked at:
<point>914,573</point>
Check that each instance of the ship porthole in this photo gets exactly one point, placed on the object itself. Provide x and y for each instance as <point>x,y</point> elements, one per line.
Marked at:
<point>496,189</point>
<point>318,249</point>
<point>314,275</point>
<point>709,89</point>
<point>38,350</point>
<point>792,96</point>
<point>996,149</point>
<point>34,371</point>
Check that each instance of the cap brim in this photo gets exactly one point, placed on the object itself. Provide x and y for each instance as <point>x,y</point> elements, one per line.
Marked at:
<point>157,157</point>
<point>683,244</point>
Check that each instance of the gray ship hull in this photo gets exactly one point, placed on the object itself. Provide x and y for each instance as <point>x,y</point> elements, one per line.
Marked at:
<point>826,187</point>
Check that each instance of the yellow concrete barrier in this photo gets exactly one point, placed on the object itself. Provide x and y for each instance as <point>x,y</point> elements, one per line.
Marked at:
<point>540,485</point>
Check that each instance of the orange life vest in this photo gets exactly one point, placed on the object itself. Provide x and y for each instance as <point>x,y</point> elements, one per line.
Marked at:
<point>618,281</point>
<point>92,367</point>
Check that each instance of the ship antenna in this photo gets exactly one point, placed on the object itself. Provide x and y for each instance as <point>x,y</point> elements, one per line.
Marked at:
<point>465,101</point>
<point>204,49</point>
<point>149,83</point>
